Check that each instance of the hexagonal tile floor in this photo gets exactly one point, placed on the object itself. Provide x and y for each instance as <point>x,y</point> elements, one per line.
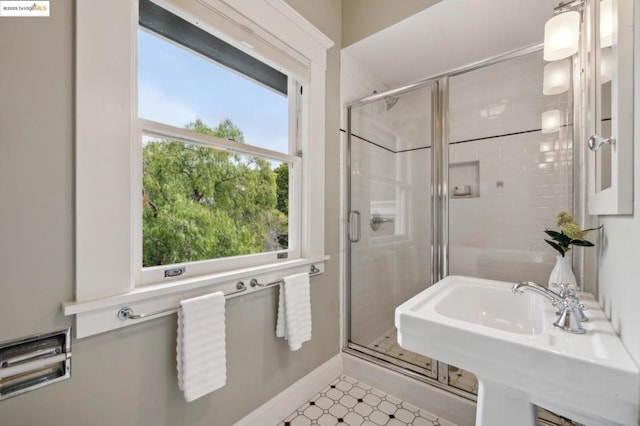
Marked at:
<point>349,402</point>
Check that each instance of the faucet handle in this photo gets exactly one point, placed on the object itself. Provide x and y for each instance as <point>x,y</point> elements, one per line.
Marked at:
<point>581,308</point>
<point>571,316</point>
<point>567,290</point>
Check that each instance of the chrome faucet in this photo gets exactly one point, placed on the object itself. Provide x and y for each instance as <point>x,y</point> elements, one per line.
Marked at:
<point>568,307</point>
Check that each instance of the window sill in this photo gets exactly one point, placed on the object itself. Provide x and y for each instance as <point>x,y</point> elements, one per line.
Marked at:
<point>101,315</point>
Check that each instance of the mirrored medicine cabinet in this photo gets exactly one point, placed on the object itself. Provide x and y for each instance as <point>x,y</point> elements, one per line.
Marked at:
<point>607,100</point>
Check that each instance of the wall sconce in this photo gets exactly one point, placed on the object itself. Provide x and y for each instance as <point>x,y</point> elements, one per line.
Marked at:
<point>557,76</point>
<point>550,121</point>
<point>561,36</point>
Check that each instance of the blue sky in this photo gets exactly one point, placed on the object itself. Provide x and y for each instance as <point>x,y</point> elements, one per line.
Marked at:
<point>176,86</point>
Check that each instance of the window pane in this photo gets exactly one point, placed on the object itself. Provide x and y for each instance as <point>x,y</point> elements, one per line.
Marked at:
<point>203,203</point>
<point>177,86</point>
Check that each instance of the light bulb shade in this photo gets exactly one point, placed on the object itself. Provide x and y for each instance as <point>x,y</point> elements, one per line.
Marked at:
<point>550,121</point>
<point>557,76</point>
<point>606,23</point>
<point>561,36</point>
<point>606,65</point>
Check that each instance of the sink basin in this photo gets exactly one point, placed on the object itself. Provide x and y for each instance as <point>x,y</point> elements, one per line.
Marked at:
<point>491,306</point>
<point>509,342</point>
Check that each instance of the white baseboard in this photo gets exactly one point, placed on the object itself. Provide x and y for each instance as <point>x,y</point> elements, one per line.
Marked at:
<point>286,402</point>
<point>443,404</point>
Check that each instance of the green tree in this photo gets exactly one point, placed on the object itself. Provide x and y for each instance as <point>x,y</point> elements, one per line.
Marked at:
<point>282,203</point>
<point>205,203</point>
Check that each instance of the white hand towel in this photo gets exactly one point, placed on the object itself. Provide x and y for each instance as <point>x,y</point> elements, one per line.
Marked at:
<point>294,310</point>
<point>201,345</point>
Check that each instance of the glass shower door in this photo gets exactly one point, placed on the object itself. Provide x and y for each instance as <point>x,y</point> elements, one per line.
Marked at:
<point>389,218</point>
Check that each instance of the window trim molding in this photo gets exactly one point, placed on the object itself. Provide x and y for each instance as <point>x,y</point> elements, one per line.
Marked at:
<point>106,71</point>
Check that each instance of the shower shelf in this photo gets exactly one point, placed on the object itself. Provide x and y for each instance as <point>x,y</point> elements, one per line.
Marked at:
<point>464,179</point>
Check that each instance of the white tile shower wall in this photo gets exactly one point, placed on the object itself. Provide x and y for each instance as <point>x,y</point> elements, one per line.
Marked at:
<point>392,263</point>
<point>413,255</point>
<point>399,122</point>
<point>501,99</point>
<point>525,176</point>
<point>525,180</point>
<point>372,259</point>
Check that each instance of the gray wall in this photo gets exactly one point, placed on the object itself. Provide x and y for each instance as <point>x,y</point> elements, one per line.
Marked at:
<point>361,18</point>
<point>126,377</point>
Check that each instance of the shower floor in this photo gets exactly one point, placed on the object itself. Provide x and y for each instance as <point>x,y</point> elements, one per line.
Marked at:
<point>387,344</point>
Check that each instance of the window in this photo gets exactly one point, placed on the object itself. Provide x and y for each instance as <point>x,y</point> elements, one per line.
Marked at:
<point>122,171</point>
<point>224,188</point>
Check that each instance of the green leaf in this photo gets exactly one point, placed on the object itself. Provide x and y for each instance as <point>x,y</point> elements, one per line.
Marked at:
<point>582,243</point>
<point>557,247</point>
<point>551,233</point>
<point>558,236</point>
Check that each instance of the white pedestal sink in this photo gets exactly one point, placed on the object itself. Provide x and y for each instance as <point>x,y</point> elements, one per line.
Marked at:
<point>521,360</point>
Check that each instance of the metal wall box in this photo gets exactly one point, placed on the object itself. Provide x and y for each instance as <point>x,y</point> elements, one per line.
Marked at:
<point>32,362</point>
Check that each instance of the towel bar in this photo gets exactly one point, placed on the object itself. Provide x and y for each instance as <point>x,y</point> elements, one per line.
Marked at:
<point>126,313</point>
<point>254,282</point>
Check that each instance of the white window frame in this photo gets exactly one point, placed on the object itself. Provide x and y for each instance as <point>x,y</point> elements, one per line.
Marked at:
<point>108,274</point>
<point>156,274</point>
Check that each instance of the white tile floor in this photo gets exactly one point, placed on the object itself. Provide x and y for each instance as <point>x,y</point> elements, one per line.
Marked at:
<point>349,402</point>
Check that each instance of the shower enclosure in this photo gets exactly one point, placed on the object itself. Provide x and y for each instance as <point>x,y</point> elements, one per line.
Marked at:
<point>452,175</point>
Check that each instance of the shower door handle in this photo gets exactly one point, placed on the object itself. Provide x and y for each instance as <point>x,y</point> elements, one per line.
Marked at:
<point>354,226</point>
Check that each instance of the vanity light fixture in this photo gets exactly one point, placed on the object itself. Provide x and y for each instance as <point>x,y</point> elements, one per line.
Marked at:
<point>561,36</point>
<point>550,121</point>
<point>557,76</point>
